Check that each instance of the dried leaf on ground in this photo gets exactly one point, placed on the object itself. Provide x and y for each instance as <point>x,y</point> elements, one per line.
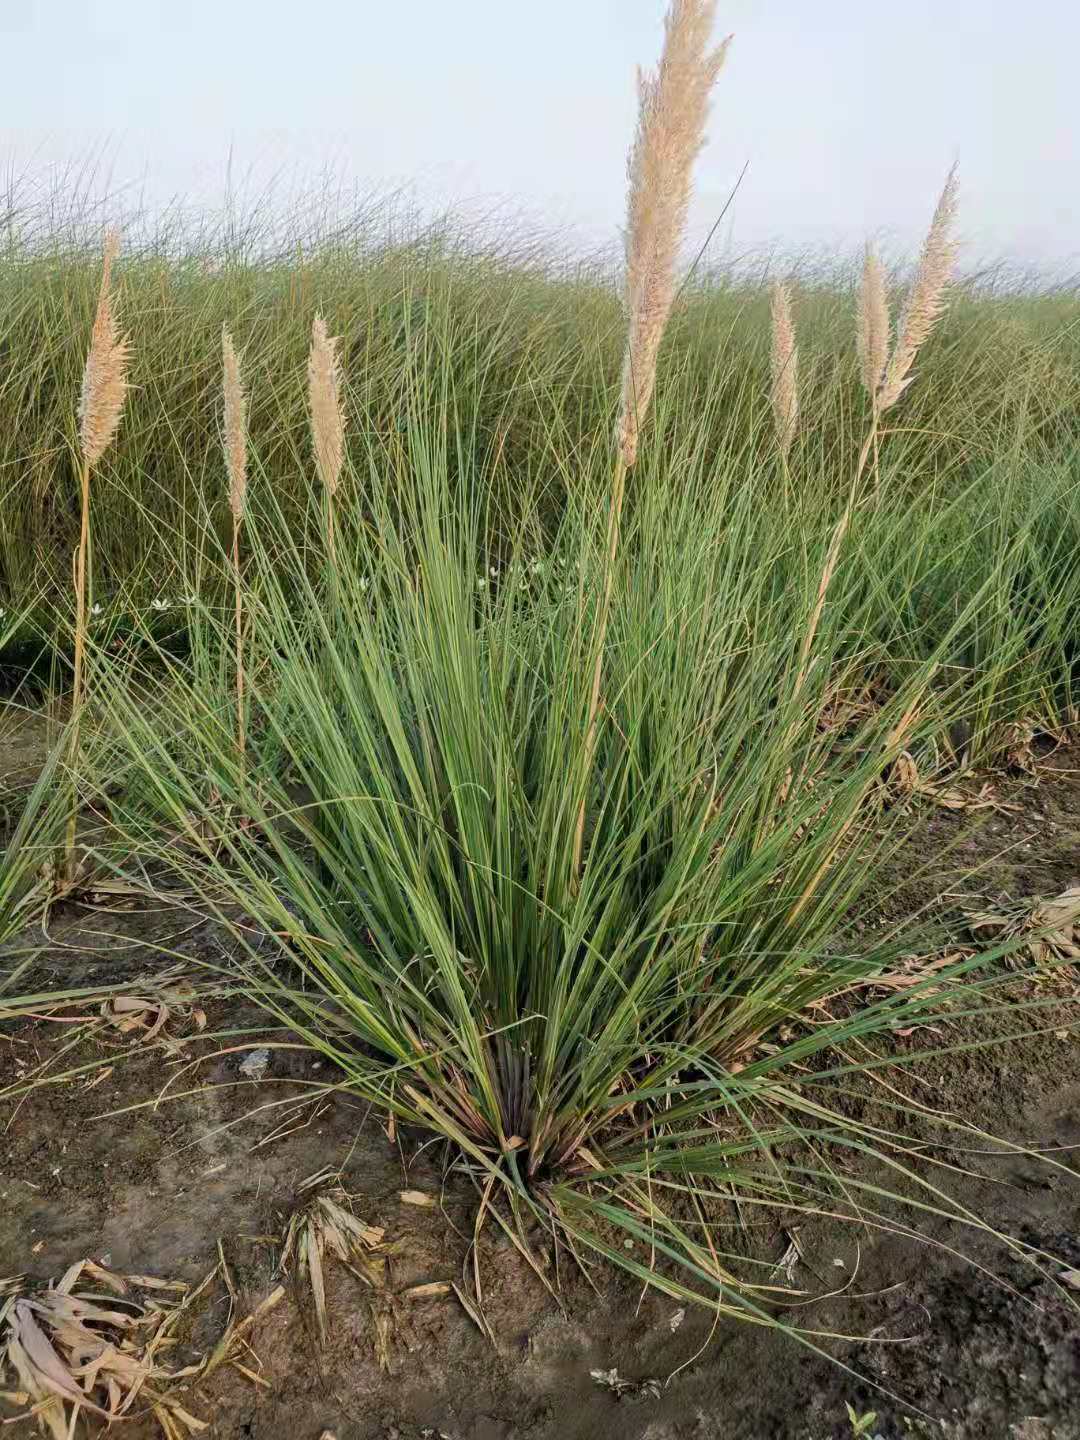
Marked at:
<point>1050,928</point>
<point>905,780</point>
<point>636,1389</point>
<point>324,1223</point>
<point>86,1352</point>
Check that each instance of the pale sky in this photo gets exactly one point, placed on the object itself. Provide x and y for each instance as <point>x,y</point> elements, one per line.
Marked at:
<point>849,112</point>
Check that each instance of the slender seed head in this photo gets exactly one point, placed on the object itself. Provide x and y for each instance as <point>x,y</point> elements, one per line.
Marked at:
<point>104,383</point>
<point>785,368</point>
<point>324,405</point>
<point>926,301</point>
<point>673,106</point>
<point>235,425</point>
<point>873,335</point>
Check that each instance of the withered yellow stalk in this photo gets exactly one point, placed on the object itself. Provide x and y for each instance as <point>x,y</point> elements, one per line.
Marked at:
<point>327,419</point>
<point>235,441</point>
<point>785,370</point>
<point>101,404</point>
<point>673,106</point>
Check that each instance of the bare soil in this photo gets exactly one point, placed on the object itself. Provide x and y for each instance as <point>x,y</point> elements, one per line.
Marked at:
<point>148,1166</point>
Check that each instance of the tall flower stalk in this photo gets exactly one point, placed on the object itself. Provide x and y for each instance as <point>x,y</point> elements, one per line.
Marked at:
<point>101,404</point>
<point>785,370</point>
<point>673,106</point>
<point>873,338</point>
<point>327,421</point>
<point>235,441</point>
<point>886,374</point>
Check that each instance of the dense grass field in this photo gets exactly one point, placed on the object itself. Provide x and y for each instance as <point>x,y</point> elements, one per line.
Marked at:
<point>545,815</point>
<point>534,346</point>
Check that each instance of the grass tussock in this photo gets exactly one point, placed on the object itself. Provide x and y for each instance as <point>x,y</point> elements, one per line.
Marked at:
<point>547,763</point>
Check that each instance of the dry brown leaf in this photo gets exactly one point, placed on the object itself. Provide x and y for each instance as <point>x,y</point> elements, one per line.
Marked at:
<point>168,1412</point>
<point>905,774</point>
<point>1052,927</point>
<point>40,1368</point>
<point>151,1282</point>
<point>1020,753</point>
<point>416,1197</point>
<point>325,1223</point>
<point>905,780</point>
<point>128,1013</point>
<point>433,1290</point>
<point>75,1351</point>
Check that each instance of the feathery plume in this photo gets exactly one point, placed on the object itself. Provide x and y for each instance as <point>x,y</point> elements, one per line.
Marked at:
<point>324,404</point>
<point>785,368</point>
<point>101,402</point>
<point>235,425</point>
<point>873,336</point>
<point>673,108</point>
<point>104,381</point>
<point>927,298</point>
<point>673,105</point>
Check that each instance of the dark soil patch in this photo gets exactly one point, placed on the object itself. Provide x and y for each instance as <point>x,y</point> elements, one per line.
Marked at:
<point>973,1352</point>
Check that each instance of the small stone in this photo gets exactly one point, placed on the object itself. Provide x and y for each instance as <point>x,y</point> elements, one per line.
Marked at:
<point>255,1065</point>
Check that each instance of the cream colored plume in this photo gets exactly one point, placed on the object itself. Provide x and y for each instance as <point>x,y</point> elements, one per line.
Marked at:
<point>873,324</point>
<point>785,368</point>
<point>673,108</point>
<point>235,425</point>
<point>104,382</point>
<point>926,300</point>
<point>324,404</point>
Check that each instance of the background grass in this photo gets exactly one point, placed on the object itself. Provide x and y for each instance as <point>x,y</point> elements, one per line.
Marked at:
<point>534,342</point>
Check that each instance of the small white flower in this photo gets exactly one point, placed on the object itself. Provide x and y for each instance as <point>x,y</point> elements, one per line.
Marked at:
<point>481,584</point>
<point>493,571</point>
<point>537,567</point>
<point>95,610</point>
<point>363,582</point>
<point>159,604</point>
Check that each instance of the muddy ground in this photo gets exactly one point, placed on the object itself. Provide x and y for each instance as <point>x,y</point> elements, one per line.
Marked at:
<point>975,1344</point>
